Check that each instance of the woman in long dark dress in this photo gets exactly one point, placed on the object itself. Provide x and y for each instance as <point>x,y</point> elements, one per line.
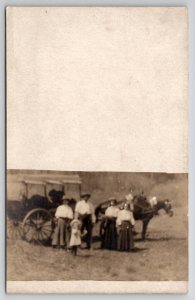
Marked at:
<point>109,236</point>
<point>125,222</point>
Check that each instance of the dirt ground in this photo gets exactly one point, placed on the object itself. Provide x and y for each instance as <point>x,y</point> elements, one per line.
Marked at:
<point>163,256</point>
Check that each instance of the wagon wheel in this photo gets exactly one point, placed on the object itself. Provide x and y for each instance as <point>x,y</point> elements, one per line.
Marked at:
<point>38,226</point>
<point>14,229</point>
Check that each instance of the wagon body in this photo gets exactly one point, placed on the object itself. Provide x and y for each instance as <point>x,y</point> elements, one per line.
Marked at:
<point>32,202</point>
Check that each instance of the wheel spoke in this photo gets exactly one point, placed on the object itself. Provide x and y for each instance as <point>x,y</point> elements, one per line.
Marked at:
<point>46,226</point>
<point>13,230</point>
<point>20,231</point>
<point>35,236</point>
<point>37,225</point>
<point>27,229</point>
<point>48,233</point>
<point>45,235</point>
<point>32,235</point>
<point>41,234</point>
<point>38,237</point>
<point>29,235</point>
<point>31,222</point>
<point>38,216</point>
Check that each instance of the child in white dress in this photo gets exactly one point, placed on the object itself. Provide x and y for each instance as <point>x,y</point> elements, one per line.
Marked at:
<point>75,239</point>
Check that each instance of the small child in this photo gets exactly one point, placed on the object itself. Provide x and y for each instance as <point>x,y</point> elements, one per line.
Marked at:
<point>75,239</point>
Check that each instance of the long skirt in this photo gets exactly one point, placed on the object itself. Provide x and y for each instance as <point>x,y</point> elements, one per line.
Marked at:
<point>125,238</point>
<point>109,237</point>
<point>61,233</point>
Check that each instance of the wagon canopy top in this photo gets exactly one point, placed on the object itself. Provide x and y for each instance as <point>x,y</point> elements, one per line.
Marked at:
<point>40,182</point>
<point>56,182</point>
<point>66,179</point>
<point>71,179</point>
<point>34,182</point>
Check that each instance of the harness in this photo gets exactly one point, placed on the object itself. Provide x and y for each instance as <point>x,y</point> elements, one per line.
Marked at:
<point>144,209</point>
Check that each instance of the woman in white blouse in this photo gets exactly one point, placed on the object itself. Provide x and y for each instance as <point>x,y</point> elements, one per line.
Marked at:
<point>108,226</point>
<point>125,222</point>
<point>64,215</point>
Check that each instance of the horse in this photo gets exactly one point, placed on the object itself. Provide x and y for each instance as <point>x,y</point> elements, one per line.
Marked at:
<point>142,210</point>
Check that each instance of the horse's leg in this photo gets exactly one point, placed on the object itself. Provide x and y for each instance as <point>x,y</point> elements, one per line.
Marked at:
<point>144,228</point>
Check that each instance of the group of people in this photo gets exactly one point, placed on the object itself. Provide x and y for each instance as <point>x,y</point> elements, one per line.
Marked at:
<point>115,229</point>
<point>71,226</point>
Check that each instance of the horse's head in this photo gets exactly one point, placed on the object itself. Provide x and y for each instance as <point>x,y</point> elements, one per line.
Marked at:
<point>168,207</point>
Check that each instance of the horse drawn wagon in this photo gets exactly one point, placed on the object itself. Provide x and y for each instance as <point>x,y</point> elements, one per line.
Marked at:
<point>31,214</point>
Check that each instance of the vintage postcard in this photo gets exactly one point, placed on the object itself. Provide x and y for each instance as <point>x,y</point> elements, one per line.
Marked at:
<point>97,150</point>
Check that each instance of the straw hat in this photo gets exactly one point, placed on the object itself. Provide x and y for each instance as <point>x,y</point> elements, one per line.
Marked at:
<point>84,195</point>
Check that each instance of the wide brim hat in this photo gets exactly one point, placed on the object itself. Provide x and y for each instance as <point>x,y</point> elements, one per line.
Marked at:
<point>65,199</point>
<point>112,199</point>
<point>75,221</point>
<point>83,195</point>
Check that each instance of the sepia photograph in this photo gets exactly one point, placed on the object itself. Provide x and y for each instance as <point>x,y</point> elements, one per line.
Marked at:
<point>96,150</point>
<point>96,226</point>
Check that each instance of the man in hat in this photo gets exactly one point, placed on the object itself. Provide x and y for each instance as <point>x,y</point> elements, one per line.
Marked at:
<point>84,211</point>
<point>64,215</point>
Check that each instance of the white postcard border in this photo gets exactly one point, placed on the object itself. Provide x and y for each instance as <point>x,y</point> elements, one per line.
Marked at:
<point>96,287</point>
